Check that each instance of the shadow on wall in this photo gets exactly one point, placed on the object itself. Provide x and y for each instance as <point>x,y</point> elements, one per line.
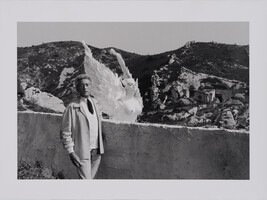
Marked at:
<point>141,151</point>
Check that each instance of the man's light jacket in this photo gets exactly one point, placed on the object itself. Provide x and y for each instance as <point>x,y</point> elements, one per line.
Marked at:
<point>74,131</point>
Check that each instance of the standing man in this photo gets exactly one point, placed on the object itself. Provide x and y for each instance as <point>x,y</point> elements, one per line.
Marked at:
<point>80,131</point>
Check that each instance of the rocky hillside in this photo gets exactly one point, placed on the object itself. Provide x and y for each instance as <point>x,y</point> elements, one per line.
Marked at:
<point>52,67</point>
<point>196,66</point>
<point>223,60</point>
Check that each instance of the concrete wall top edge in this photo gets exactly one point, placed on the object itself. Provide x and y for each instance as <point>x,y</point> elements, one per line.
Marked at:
<point>177,126</point>
<point>148,124</point>
<point>40,113</point>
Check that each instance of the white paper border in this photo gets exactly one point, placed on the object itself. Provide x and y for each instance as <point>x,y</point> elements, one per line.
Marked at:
<point>136,11</point>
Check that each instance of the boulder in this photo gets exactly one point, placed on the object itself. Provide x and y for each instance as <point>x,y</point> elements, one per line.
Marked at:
<point>240,96</point>
<point>167,88</point>
<point>227,119</point>
<point>170,117</point>
<point>232,101</point>
<point>193,111</point>
<point>243,119</point>
<point>194,120</point>
<point>162,106</point>
<point>184,102</point>
<point>43,102</point>
<point>198,121</point>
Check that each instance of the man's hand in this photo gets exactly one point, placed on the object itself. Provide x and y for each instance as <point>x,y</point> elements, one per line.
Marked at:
<point>75,159</point>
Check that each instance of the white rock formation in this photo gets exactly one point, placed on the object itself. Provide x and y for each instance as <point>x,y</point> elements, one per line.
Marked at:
<point>64,75</point>
<point>39,99</point>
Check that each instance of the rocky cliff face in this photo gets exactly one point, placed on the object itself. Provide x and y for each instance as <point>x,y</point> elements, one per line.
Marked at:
<point>52,67</point>
<point>172,83</point>
<point>180,96</point>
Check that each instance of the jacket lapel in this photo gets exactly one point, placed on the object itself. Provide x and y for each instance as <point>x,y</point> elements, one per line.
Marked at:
<point>81,109</point>
<point>84,112</point>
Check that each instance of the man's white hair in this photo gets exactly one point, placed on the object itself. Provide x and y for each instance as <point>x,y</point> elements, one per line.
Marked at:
<point>81,77</point>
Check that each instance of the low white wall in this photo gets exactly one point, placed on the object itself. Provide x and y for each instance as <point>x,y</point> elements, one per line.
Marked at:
<point>142,151</point>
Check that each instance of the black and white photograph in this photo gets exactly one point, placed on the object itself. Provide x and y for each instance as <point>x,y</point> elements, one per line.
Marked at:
<point>105,100</point>
<point>173,99</point>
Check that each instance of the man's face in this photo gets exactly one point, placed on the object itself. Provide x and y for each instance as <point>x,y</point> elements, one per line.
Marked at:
<point>84,87</point>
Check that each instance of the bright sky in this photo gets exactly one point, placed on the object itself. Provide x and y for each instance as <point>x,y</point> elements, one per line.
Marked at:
<point>138,37</point>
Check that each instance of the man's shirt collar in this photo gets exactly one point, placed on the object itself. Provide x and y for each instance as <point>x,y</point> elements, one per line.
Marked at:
<point>83,99</point>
